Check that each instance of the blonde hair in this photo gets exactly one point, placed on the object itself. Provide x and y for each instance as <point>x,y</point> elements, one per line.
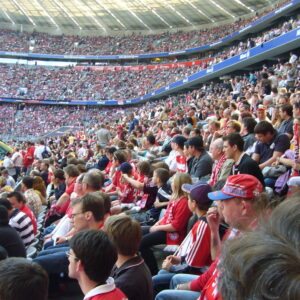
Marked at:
<point>178,180</point>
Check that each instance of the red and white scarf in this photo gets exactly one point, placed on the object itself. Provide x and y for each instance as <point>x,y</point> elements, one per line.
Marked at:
<point>216,170</point>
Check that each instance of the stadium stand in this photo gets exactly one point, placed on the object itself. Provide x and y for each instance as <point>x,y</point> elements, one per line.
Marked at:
<point>194,172</point>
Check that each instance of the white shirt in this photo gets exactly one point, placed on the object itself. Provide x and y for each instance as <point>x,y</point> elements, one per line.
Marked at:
<point>101,289</point>
<point>17,158</point>
<point>9,165</point>
<point>39,150</point>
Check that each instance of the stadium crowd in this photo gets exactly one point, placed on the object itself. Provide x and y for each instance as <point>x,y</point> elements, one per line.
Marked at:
<point>113,45</point>
<point>42,83</point>
<point>132,179</point>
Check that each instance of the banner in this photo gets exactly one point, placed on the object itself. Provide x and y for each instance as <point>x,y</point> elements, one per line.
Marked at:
<point>147,67</point>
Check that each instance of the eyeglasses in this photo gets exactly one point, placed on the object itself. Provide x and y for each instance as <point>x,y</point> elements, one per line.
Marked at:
<point>68,253</point>
<point>74,215</point>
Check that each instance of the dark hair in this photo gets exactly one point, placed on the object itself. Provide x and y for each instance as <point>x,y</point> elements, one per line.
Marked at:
<point>106,200</point>
<point>120,156</point>
<point>151,139</point>
<point>19,196</point>
<point>288,108</point>
<point>263,127</point>
<point>6,203</point>
<point>249,123</point>
<point>196,142</point>
<point>93,203</point>
<point>59,174</point>
<point>96,252</point>
<point>21,279</point>
<point>162,174</point>
<point>71,170</point>
<point>4,219</point>
<point>111,150</point>
<point>125,232</point>
<point>144,167</point>
<point>234,139</point>
<point>3,254</point>
<point>28,182</point>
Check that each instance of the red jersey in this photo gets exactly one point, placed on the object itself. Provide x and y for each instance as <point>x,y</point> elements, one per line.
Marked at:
<point>69,190</point>
<point>107,169</point>
<point>27,211</point>
<point>29,156</point>
<point>178,215</point>
<point>207,283</point>
<point>106,291</point>
<point>128,193</point>
<point>196,246</point>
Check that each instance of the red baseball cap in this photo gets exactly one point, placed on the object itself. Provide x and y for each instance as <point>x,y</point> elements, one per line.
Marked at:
<point>241,186</point>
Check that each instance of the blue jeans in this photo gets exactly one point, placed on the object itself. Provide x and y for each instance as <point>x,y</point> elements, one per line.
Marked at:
<point>161,281</point>
<point>54,260</point>
<point>179,294</point>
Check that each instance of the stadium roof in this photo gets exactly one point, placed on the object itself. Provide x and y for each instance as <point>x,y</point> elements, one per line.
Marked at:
<point>121,15</point>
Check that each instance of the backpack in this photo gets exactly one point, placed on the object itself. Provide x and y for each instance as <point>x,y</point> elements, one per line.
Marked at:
<point>45,153</point>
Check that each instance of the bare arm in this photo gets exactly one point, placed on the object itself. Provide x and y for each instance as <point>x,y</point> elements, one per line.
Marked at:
<point>213,219</point>
<point>271,160</point>
<point>136,184</point>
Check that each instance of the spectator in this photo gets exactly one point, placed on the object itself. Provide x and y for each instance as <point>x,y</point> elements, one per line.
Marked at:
<point>90,249</point>
<point>243,163</point>
<point>130,270</point>
<point>222,165</point>
<point>9,238</point>
<point>32,198</point>
<point>19,221</point>
<point>200,163</point>
<point>18,201</point>
<point>21,279</point>
<point>171,228</point>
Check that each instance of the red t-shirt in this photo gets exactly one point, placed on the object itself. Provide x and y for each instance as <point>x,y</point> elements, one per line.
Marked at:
<point>29,156</point>
<point>178,215</point>
<point>117,178</point>
<point>128,193</point>
<point>26,210</point>
<point>69,190</point>
<point>196,247</point>
<point>116,294</point>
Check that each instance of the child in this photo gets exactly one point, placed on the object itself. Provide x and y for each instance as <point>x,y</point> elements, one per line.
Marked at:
<point>171,229</point>
<point>118,158</point>
<point>125,191</point>
<point>158,191</point>
<point>194,252</point>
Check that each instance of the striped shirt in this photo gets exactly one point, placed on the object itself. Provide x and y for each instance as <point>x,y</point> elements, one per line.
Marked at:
<point>23,225</point>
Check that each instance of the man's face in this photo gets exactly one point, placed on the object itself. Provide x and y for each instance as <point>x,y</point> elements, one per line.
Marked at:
<point>78,220</point>
<point>228,150</point>
<point>232,211</point>
<point>261,114</point>
<point>44,167</point>
<point>264,138</point>
<point>230,129</point>
<point>211,128</point>
<point>78,187</point>
<point>191,150</point>
<point>73,265</point>
<point>15,204</point>
<point>215,151</point>
<point>282,114</point>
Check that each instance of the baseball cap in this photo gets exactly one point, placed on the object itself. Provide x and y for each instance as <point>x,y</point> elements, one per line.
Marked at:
<point>125,167</point>
<point>198,191</point>
<point>261,107</point>
<point>179,140</point>
<point>196,142</point>
<point>241,186</point>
